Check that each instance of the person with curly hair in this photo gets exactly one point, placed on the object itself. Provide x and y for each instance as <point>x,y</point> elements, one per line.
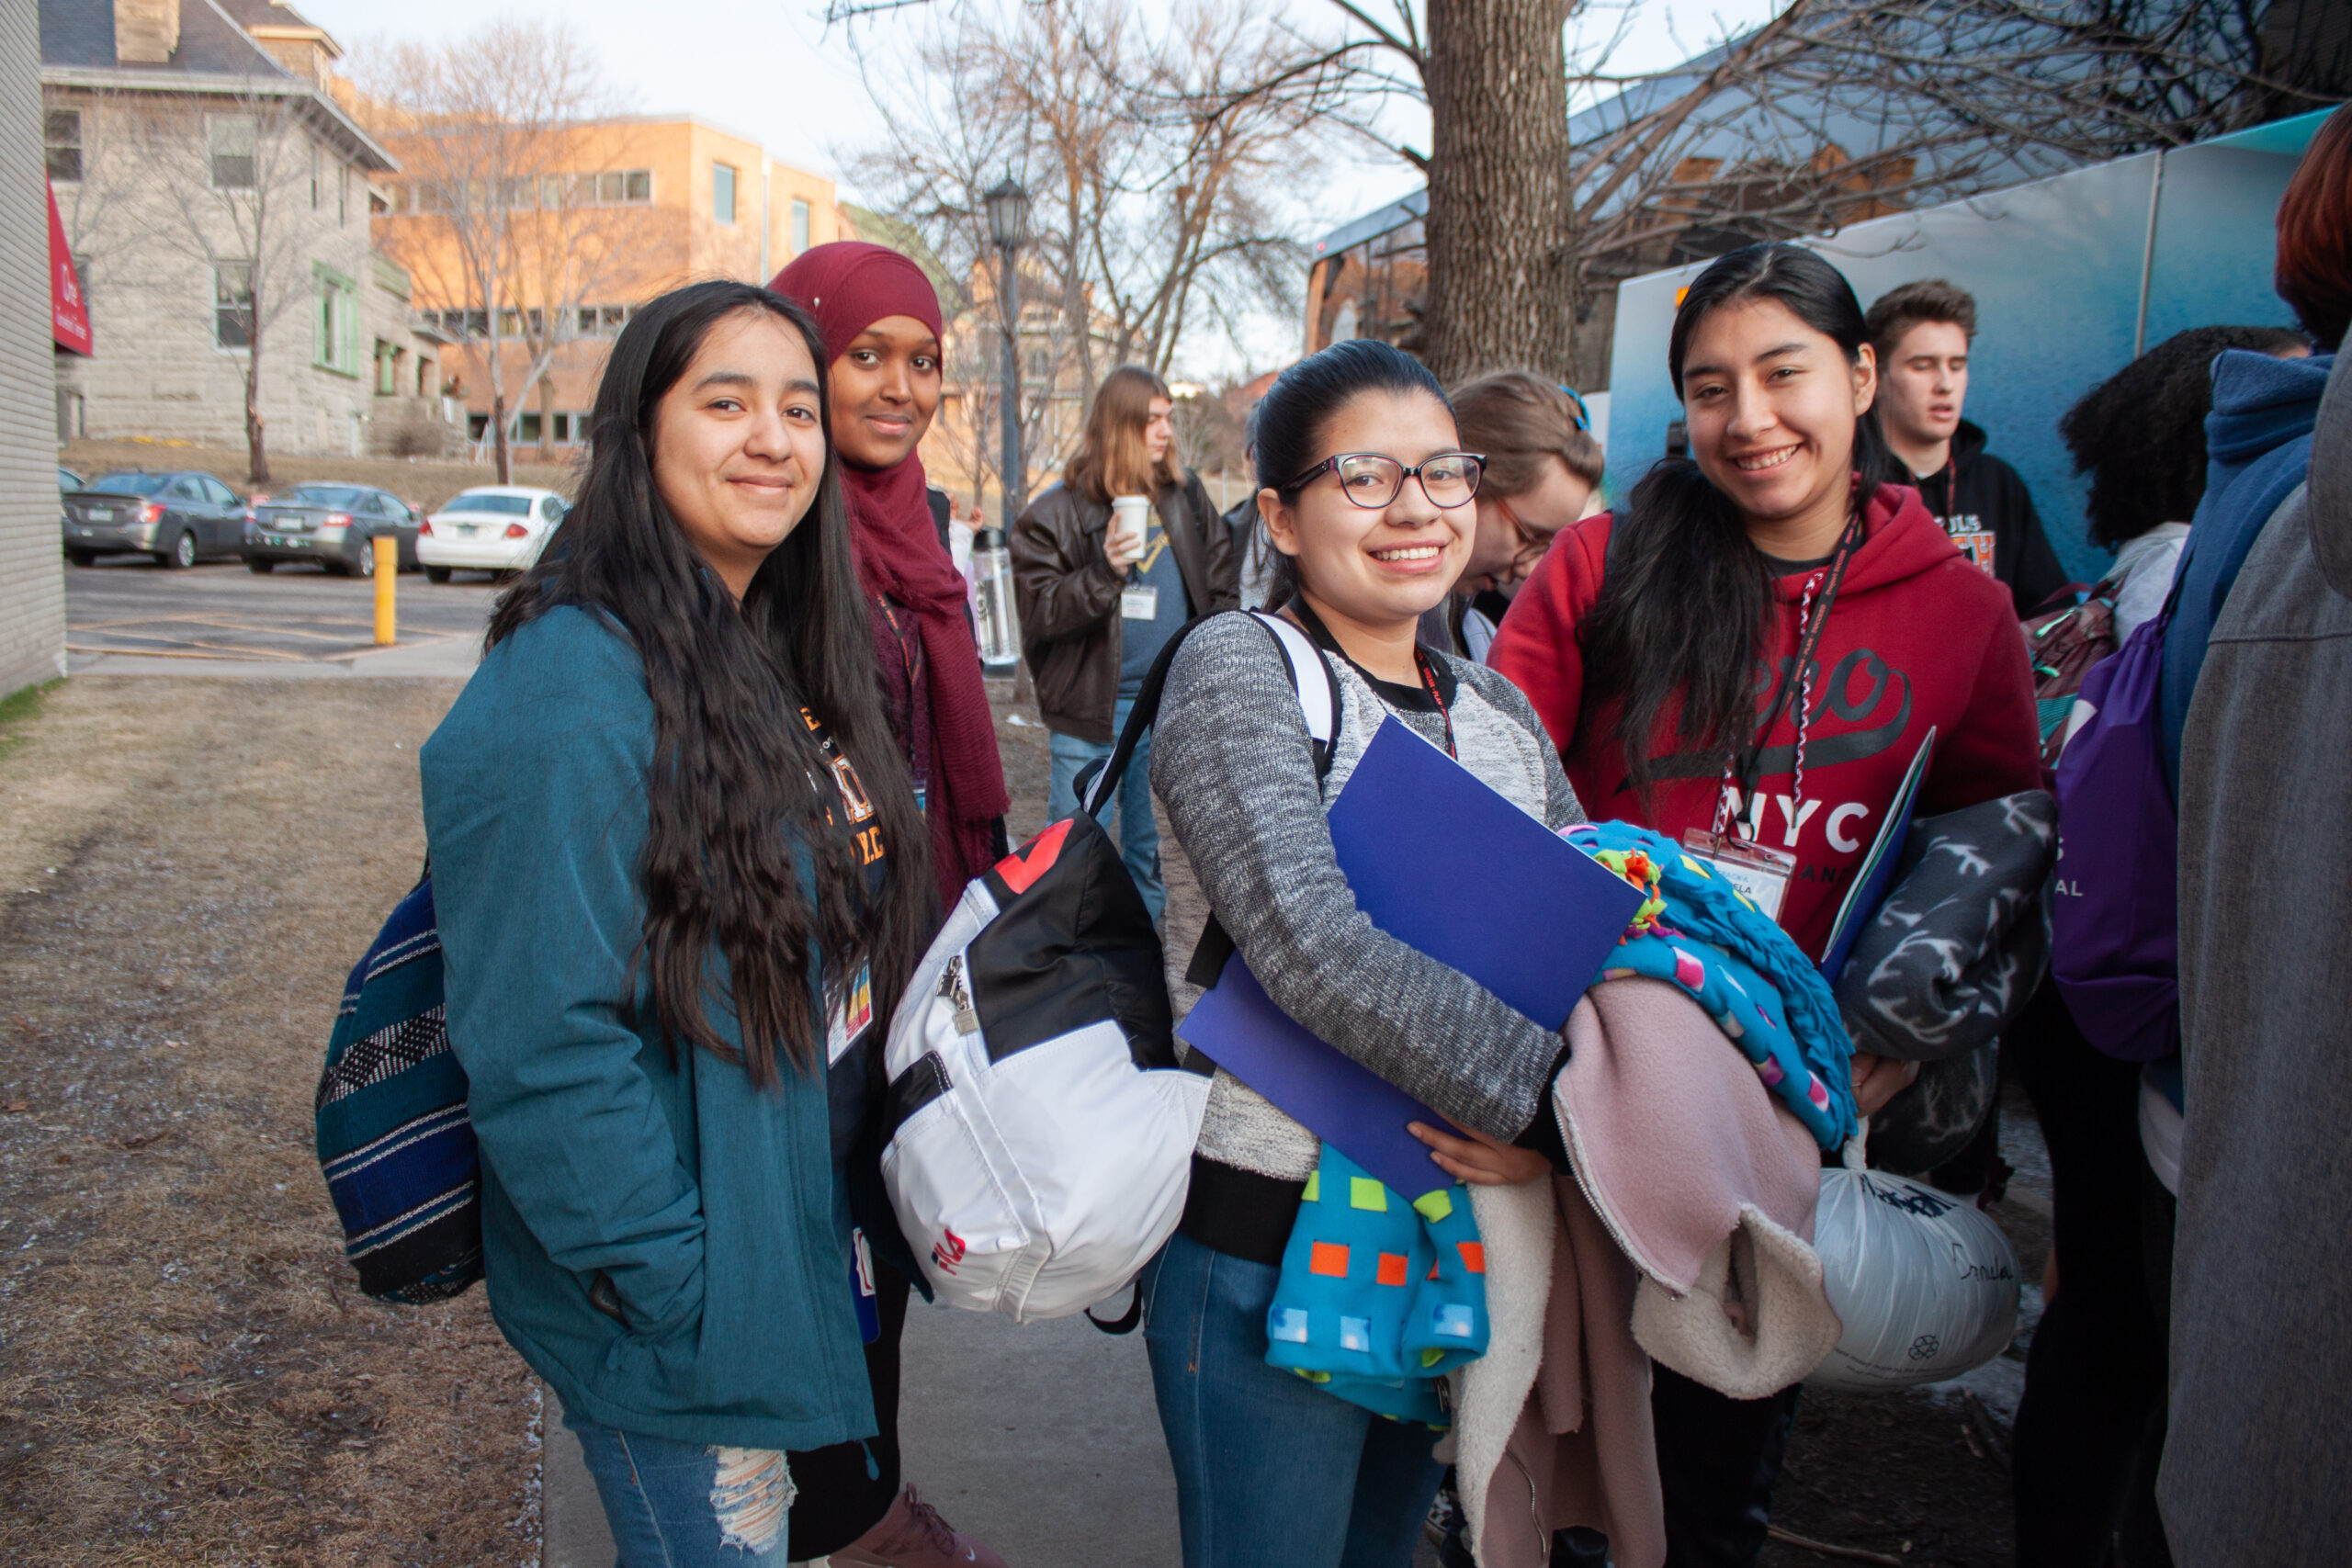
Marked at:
<point>2140,435</point>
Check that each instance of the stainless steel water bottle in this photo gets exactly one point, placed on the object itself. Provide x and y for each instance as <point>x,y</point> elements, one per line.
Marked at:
<point>998,621</point>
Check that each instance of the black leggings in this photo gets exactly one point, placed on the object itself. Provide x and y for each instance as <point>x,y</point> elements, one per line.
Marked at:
<point>847,1489</point>
<point>1717,1461</point>
<point>2090,1426</point>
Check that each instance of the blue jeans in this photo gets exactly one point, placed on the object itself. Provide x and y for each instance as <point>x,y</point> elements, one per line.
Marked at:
<point>1270,1471</point>
<point>676,1505</point>
<point>1139,830</point>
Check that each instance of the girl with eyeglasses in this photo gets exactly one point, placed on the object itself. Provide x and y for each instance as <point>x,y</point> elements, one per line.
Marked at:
<point>1367,498</point>
<point>1747,657</point>
<point>1541,468</point>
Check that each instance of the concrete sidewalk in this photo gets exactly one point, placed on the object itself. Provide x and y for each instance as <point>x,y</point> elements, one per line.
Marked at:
<point>449,657</point>
<point>1041,1441</point>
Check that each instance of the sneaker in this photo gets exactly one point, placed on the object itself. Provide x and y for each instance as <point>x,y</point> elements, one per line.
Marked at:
<point>912,1535</point>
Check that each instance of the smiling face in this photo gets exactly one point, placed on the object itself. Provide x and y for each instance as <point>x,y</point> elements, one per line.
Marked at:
<point>1504,551</point>
<point>738,444</point>
<point>885,387</point>
<point>1376,568</point>
<point>1924,382</point>
<point>1770,404</point>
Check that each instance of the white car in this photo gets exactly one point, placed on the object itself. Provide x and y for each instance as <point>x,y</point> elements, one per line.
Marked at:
<point>494,528</point>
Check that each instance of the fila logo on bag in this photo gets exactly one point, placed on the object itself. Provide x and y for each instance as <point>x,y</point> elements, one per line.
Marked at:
<point>947,1252</point>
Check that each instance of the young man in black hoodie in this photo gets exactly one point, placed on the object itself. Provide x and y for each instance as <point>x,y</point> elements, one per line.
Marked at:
<point>1922,331</point>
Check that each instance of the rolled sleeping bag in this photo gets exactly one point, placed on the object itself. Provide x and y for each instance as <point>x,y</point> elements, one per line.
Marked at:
<point>1924,1284</point>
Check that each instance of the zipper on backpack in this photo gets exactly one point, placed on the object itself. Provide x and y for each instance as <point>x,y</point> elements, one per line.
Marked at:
<point>951,987</point>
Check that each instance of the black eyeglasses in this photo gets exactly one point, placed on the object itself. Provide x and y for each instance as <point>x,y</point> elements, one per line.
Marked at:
<point>1372,479</point>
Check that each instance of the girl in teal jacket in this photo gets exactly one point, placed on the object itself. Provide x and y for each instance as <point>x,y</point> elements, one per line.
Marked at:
<point>680,880</point>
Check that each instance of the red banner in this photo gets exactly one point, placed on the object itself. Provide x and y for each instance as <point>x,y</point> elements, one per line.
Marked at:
<point>69,312</point>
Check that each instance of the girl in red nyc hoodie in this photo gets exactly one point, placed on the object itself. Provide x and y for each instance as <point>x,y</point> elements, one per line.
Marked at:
<point>1653,642</point>
<point>1915,638</point>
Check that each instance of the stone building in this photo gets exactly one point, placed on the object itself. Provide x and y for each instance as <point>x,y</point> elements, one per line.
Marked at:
<point>217,200</point>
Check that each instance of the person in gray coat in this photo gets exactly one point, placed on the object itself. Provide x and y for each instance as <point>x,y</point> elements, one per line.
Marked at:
<point>2259,1447</point>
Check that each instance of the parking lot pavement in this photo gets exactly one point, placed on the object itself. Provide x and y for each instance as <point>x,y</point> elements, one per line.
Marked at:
<point>129,617</point>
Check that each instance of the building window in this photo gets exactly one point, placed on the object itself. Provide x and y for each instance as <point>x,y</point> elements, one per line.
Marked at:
<point>388,368</point>
<point>233,304</point>
<point>62,131</point>
<point>318,175</point>
<point>722,193</point>
<point>343,193</point>
<point>616,187</point>
<point>335,340</point>
<point>1041,364</point>
<point>233,141</point>
<point>799,225</point>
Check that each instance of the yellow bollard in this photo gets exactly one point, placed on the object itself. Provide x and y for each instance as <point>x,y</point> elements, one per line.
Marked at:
<point>388,576</point>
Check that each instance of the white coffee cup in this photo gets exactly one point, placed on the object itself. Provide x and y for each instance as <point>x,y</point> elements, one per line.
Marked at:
<point>1127,513</point>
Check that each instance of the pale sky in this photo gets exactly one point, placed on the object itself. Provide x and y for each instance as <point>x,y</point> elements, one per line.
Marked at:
<point>766,68</point>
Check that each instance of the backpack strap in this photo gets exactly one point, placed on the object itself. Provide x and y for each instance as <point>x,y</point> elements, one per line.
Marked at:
<point>1318,702</point>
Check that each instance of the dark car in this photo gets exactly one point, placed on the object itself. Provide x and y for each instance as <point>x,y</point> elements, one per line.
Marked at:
<point>178,518</point>
<point>335,524</point>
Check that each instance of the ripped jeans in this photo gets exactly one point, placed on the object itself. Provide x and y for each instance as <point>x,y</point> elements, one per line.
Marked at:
<point>674,1505</point>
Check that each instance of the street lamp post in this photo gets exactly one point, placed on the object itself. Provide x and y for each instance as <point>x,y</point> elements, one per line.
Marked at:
<point>1008,206</point>
<point>999,622</point>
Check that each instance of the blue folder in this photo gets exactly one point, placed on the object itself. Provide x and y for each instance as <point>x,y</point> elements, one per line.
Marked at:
<point>1440,861</point>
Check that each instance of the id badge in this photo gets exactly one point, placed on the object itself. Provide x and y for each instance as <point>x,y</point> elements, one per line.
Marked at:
<point>1974,542</point>
<point>1139,604</point>
<point>1759,872</point>
<point>852,1017</point>
<point>861,1280</point>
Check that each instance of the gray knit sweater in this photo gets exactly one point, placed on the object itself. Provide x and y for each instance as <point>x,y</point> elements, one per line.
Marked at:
<point>1232,763</point>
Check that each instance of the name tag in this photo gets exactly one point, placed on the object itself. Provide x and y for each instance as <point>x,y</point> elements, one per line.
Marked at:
<point>861,1287</point>
<point>1760,872</point>
<point>1975,541</point>
<point>1139,604</point>
<point>852,1016</point>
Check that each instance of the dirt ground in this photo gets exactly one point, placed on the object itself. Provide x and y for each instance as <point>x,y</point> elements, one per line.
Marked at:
<point>186,1373</point>
<point>418,481</point>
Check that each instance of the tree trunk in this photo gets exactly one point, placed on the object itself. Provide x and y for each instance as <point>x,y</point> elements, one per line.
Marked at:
<point>547,419</point>
<point>256,452</point>
<point>1501,269</point>
<point>505,459</point>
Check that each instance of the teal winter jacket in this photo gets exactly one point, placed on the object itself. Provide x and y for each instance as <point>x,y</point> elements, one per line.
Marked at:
<point>706,1209</point>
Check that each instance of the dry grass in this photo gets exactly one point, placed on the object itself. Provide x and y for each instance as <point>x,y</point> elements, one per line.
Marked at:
<point>416,480</point>
<point>186,1374</point>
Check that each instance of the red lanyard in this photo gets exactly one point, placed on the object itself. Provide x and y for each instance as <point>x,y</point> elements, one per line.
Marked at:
<point>1428,668</point>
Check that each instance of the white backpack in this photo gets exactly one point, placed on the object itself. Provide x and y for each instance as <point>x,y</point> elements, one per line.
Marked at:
<point>1040,1129</point>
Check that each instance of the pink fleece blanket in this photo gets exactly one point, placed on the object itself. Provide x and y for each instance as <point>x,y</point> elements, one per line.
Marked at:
<point>1680,1153</point>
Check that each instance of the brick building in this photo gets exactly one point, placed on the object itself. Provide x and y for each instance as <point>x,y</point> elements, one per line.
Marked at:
<point>32,591</point>
<point>216,196</point>
<point>609,213</point>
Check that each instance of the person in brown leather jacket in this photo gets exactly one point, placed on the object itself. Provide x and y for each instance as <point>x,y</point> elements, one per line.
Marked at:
<point>1096,608</point>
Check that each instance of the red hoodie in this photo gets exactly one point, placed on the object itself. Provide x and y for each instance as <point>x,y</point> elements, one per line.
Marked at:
<point>1917,637</point>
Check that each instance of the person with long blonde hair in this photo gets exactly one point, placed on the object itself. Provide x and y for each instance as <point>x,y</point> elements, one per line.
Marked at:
<point>1097,603</point>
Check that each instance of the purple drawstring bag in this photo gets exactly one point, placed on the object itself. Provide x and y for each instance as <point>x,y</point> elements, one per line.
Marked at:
<point>2115,908</point>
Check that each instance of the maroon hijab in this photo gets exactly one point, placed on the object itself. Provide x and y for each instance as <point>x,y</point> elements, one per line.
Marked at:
<point>848,285</point>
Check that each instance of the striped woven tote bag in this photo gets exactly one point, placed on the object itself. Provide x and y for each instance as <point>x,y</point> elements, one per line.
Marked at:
<point>394,1140</point>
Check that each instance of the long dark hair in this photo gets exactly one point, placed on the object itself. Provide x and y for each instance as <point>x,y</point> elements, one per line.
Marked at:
<point>1685,597</point>
<point>740,790</point>
<point>2140,433</point>
<point>1286,431</point>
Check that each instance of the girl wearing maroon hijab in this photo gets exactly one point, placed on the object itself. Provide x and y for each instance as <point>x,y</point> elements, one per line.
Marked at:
<point>880,320</point>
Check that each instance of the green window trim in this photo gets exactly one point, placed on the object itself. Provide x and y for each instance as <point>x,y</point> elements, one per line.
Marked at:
<point>335,325</point>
